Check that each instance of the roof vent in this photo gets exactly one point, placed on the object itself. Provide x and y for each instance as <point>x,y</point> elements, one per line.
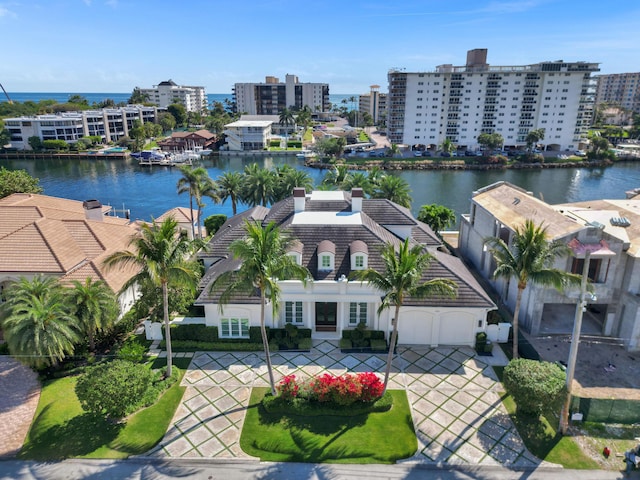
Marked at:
<point>620,222</point>
<point>597,225</point>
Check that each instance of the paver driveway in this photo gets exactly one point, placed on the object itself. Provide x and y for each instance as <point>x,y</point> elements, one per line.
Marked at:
<point>457,413</point>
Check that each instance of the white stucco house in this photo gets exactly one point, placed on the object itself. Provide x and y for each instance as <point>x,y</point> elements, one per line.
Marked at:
<point>608,229</point>
<point>336,233</point>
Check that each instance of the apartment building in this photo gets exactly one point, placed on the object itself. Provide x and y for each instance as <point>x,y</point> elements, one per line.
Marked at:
<point>461,102</point>
<point>166,93</point>
<point>619,89</point>
<point>272,96</point>
<point>374,103</point>
<point>109,123</point>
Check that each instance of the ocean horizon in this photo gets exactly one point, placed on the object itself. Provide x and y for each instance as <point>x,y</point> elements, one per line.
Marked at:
<point>118,97</point>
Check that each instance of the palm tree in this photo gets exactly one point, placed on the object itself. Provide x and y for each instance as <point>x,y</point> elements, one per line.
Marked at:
<point>96,307</point>
<point>230,185</point>
<point>39,326</point>
<point>336,176</point>
<point>263,253</point>
<point>402,278</point>
<point>187,183</point>
<point>304,117</point>
<point>395,189</point>
<point>357,180</point>
<point>206,187</point>
<point>289,178</point>
<point>447,146</point>
<point>287,118</point>
<point>259,185</point>
<point>162,255</point>
<point>529,259</point>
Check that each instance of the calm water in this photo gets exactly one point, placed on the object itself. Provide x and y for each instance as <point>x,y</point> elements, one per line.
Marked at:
<point>148,192</point>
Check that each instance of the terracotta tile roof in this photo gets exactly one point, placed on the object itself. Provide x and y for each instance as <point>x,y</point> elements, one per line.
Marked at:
<point>179,214</point>
<point>41,234</point>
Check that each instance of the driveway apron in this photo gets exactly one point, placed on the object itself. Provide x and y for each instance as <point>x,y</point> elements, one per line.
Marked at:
<point>457,413</point>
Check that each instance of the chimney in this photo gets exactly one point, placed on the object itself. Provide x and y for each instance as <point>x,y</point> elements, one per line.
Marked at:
<point>299,198</point>
<point>356,199</point>
<point>92,210</point>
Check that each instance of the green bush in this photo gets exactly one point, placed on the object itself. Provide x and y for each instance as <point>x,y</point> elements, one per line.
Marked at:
<point>132,351</point>
<point>255,336</point>
<point>195,332</point>
<point>378,344</point>
<point>213,223</point>
<point>345,343</point>
<point>534,386</point>
<point>4,349</point>
<point>305,343</point>
<point>239,345</point>
<point>114,389</point>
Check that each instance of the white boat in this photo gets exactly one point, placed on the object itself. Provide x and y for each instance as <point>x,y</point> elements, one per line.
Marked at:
<point>305,154</point>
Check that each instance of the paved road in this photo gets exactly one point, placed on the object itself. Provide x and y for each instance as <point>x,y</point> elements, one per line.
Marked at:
<point>211,470</point>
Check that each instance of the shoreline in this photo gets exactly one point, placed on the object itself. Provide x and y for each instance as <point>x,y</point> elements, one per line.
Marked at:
<point>461,165</point>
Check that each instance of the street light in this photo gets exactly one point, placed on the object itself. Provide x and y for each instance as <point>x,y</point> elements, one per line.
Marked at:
<point>581,307</point>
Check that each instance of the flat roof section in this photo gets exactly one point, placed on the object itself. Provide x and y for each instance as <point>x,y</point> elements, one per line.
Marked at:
<point>327,195</point>
<point>327,218</point>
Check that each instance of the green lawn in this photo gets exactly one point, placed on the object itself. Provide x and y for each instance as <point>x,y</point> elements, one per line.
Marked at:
<point>61,429</point>
<point>370,438</point>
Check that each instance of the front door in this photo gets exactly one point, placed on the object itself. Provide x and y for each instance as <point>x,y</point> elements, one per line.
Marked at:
<point>326,320</point>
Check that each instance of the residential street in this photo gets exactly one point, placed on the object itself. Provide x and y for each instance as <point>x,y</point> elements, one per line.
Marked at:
<point>210,470</point>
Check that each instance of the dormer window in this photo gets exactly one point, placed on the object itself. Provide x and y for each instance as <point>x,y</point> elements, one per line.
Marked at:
<point>326,255</point>
<point>359,255</point>
<point>295,251</point>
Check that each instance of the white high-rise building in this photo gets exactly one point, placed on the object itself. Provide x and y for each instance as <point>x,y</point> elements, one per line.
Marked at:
<point>272,96</point>
<point>165,93</point>
<point>459,103</point>
<point>374,103</point>
<point>619,89</point>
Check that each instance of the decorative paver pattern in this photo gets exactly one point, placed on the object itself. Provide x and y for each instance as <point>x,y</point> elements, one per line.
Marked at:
<point>18,402</point>
<point>457,413</point>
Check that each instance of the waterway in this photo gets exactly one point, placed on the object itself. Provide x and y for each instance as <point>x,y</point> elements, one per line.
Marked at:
<point>150,191</point>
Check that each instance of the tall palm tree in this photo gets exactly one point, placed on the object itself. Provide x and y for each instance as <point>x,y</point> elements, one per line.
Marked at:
<point>187,184</point>
<point>259,185</point>
<point>395,189</point>
<point>163,255</point>
<point>96,307</point>
<point>336,176</point>
<point>402,278</point>
<point>529,260</point>
<point>39,326</point>
<point>287,118</point>
<point>263,252</point>
<point>357,180</point>
<point>230,185</point>
<point>447,146</point>
<point>304,117</point>
<point>206,187</point>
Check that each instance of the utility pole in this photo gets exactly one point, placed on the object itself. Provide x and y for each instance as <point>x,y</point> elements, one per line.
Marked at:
<point>575,341</point>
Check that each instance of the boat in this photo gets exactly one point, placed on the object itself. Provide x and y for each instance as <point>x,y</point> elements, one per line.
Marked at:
<point>305,154</point>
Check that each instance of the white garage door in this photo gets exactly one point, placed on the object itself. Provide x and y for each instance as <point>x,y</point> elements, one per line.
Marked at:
<point>415,328</point>
<point>457,329</point>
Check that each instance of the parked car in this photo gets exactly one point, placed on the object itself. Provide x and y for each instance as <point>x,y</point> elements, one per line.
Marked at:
<point>469,153</point>
<point>417,153</point>
<point>445,154</point>
<point>479,153</point>
<point>513,153</point>
<point>426,153</point>
<point>580,153</point>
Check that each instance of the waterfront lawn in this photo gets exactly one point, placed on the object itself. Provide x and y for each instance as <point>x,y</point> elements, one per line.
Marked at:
<point>383,437</point>
<point>541,438</point>
<point>61,429</point>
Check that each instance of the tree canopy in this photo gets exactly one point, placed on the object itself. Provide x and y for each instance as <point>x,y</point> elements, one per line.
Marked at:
<point>438,217</point>
<point>17,181</point>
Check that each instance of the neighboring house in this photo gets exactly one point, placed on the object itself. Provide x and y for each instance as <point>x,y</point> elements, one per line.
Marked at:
<point>183,217</point>
<point>111,124</point>
<point>243,135</point>
<point>273,96</point>
<point>336,233</point>
<point>194,99</point>
<point>461,102</point>
<point>180,141</point>
<point>63,238</point>
<point>609,229</point>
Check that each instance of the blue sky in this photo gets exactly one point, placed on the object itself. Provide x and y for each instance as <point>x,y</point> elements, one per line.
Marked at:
<point>115,45</point>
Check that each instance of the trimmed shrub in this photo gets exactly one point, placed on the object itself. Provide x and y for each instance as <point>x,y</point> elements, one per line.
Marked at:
<point>378,345</point>
<point>238,345</point>
<point>213,223</point>
<point>255,336</point>
<point>305,343</point>
<point>534,386</point>
<point>132,351</point>
<point>311,409</point>
<point>345,343</point>
<point>194,332</point>
<point>114,389</point>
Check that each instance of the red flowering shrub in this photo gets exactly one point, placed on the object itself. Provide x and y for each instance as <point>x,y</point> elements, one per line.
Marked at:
<point>288,388</point>
<point>372,387</point>
<point>344,390</point>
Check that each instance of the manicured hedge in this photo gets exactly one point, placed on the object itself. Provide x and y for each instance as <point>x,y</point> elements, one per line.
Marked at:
<point>194,332</point>
<point>193,346</point>
<point>278,405</point>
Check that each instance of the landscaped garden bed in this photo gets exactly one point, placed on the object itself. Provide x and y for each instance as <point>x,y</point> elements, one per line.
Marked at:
<point>361,340</point>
